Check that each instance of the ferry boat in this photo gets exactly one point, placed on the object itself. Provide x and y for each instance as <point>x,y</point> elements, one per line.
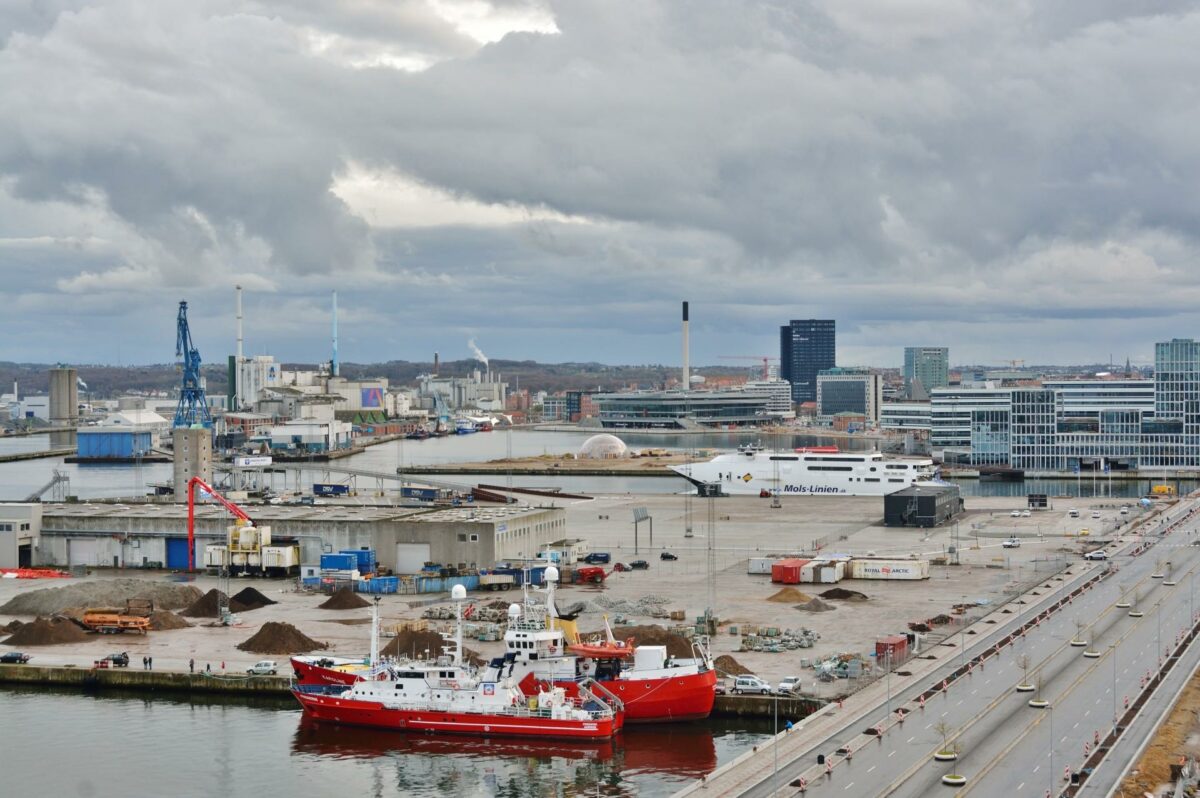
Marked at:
<point>447,696</point>
<point>815,471</point>
<point>544,649</point>
<point>464,426</point>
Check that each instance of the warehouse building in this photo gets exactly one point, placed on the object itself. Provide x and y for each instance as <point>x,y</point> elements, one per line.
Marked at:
<point>922,505</point>
<point>155,535</point>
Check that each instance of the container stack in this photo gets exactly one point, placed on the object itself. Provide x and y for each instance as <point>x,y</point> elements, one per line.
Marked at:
<point>364,560</point>
<point>339,568</point>
<point>379,584</point>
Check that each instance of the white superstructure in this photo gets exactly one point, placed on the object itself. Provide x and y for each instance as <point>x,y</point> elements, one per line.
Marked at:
<point>809,472</point>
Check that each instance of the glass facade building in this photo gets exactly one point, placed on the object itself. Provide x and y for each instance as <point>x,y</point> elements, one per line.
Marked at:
<point>930,365</point>
<point>849,390</point>
<point>806,348</point>
<point>681,409</point>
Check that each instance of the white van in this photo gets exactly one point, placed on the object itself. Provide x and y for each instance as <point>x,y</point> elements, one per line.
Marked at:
<point>750,684</point>
<point>1074,513</point>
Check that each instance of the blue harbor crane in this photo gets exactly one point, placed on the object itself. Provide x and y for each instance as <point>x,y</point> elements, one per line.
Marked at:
<point>193,406</point>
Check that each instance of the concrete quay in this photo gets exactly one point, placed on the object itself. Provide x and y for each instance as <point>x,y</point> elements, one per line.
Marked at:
<point>134,678</point>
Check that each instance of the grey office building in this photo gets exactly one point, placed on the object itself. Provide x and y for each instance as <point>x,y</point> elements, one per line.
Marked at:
<point>806,348</point>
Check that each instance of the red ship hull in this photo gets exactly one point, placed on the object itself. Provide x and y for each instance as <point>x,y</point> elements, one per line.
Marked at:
<point>373,714</point>
<point>676,698</point>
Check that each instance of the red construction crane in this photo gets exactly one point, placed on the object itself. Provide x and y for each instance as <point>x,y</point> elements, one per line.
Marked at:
<point>766,361</point>
<point>238,512</point>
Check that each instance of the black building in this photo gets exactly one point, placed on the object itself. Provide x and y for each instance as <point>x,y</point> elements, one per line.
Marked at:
<point>806,347</point>
<point>922,505</point>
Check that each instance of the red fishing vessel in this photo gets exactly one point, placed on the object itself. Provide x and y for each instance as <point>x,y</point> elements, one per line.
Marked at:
<point>544,649</point>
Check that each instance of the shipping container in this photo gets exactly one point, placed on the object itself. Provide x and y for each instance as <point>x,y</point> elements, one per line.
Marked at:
<point>438,584</point>
<point>760,565</point>
<point>888,569</point>
<point>422,494</point>
<point>892,650</point>
<point>339,562</point>
<point>822,573</point>
<point>330,489</point>
<point>787,571</point>
<point>364,559</point>
<point>281,557</point>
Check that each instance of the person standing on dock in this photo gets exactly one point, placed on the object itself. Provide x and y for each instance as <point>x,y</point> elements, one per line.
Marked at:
<point>149,663</point>
<point>191,666</point>
<point>144,665</point>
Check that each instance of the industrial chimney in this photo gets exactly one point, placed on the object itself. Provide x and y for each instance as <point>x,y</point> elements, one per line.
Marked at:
<point>435,364</point>
<point>239,323</point>
<point>687,378</point>
<point>333,366</point>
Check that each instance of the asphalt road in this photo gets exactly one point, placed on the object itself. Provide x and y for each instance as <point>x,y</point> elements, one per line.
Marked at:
<point>1008,748</point>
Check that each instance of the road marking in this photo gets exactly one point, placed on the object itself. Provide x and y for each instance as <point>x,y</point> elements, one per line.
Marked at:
<point>892,754</point>
<point>1036,769</point>
<point>1020,786</point>
<point>959,704</point>
<point>927,725</point>
<point>871,768</point>
<point>848,786</point>
<point>910,739</point>
<point>1064,739</point>
<point>973,692</point>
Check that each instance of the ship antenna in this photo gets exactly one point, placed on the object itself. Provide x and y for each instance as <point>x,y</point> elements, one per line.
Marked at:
<point>458,593</point>
<point>375,633</point>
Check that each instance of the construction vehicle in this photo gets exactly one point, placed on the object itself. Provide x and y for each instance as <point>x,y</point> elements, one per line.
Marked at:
<point>593,573</point>
<point>497,581</point>
<point>110,621</point>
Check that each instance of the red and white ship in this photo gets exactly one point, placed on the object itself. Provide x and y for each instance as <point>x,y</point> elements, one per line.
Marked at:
<point>447,696</point>
<point>543,649</point>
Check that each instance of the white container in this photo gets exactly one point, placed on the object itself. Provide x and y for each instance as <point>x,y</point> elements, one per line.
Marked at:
<point>760,565</point>
<point>649,657</point>
<point>264,535</point>
<point>283,557</point>
<point>889,569</point>
<point>829,573</point>
<point>310,571</point>
<point>808,573</point>
<point>214,556</point>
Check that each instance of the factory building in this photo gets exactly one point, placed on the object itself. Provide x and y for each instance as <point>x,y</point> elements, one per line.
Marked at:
<point>20,525</point>
<point>922,505</point>
<point>155,535</point>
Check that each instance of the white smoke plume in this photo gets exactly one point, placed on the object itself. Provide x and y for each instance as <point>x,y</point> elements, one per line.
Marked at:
<point>479,355</point>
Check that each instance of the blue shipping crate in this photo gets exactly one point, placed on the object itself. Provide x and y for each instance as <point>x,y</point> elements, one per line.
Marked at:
<point>339,562</point>
<point>364,559</point>
<point>311,581</point>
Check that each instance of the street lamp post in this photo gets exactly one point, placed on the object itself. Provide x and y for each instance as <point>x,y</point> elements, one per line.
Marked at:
<point>1114,686</point>
<point>1051,708</point>
<point>775,745</point>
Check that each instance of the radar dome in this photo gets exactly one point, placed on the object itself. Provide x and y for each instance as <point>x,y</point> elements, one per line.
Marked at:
<point>514,610</point>
<point>603,447</point>
<point>458,592</point>
<point>551,574</point>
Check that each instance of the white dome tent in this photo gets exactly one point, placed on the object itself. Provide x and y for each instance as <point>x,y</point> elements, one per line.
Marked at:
<point>603,447</point>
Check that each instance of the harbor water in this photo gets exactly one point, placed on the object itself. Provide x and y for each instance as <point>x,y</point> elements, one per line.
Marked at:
<point>122,744</point>
<point>20,479</point>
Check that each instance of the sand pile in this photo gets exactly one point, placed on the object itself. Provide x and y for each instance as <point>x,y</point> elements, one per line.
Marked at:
<point>101,593</point>
<point>729,666</point>
<point>816,605</point>
<point>845,595</point>
<point>280,638</point>
<point>249,599</point>
<point>12,627</point>
<point>411,644</point>
<point>43,632</point>
<point>344,599</point>
<point>165,620</point>
<point>207,605</point>
<point>789,595</point>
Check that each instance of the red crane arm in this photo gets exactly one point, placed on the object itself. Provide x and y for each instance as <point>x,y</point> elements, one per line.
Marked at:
<point>191,526</point>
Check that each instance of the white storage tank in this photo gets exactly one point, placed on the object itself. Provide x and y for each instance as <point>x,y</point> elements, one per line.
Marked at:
<point>254,560</point>
<point>248,538</point>
<point>889,569</point>
<point>238,560</point>
<point>760,565</point>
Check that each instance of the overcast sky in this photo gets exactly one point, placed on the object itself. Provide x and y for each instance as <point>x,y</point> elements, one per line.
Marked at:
<point>1016,180</point>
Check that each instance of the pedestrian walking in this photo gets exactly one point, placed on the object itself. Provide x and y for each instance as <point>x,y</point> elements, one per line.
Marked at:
<point>144,665</point>
<point>150,663</point>
<point>191,666</point>
<point>208,667</point>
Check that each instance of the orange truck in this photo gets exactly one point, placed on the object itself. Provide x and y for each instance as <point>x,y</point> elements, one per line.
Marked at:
<point>134,618</point>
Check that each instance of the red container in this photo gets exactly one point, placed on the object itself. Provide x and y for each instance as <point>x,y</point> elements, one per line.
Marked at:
<point>787,571</point>
<point>894,645</point>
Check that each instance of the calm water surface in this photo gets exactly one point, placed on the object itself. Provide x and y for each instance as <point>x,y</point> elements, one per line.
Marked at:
<point>120,744</point>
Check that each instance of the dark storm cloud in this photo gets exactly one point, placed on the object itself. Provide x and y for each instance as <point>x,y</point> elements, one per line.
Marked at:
<point>1000,178</point>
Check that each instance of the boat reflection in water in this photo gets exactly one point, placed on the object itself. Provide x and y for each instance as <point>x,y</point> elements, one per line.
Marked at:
<point>641,760</point>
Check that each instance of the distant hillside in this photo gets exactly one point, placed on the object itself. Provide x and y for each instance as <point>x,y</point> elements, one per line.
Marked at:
<point>105,382</point>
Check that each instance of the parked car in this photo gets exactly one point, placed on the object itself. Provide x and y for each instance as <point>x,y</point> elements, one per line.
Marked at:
<point>1015,514</point>
<point>1026,514</point>
<point>789,685</point>
<point>1125,510</point>
<point>750,684</point>
<point>666,555</point>
<point>1074,513</point>
<point>721,688</point>
<point>598,558</point>
<point>1012,543</point>
<point>620,566</point>
<point>263,667</point>
<point>1098,554</point>
<point>1095,513</point>
<point>639,565</point>
<point>118,660</point>
<point>13,658</point>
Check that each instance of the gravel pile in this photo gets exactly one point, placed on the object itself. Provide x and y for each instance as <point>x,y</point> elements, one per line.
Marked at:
<point>43,632</point>
<point>729,666</point>
<point>789,595</point>
<point>165,620</point>
<point>249,599</point>
<point>101,593</point>
<point>344,599</point>
<point>646,605</point>
<point>845,595</point>
<point>206,606</point>
<point>280,638</point>
<point>816,605</point>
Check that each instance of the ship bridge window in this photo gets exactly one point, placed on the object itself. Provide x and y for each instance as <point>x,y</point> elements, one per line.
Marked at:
<point>779,457</point>
<point>408,675</point>
<point>896,467</point>
<point>892,479</point>
<point>830,468</point>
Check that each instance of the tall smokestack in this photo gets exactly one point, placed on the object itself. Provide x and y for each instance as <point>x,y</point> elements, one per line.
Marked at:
<point>239,323</point>
<point>687,377</point>
<point>435,364</point>
<point>334,362</point>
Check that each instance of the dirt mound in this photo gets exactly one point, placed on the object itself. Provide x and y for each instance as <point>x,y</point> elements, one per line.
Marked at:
<point>249,599</point>
<point>344,599</point>
<point>729,666</point>
<point>845,595</point>
<point>816,605</point>
<point>165,620</point>
<point>43,632</point>
<point>411,644</point>
<point>12,626</point>
<point>207,605</point>
<point>789,595</point>
<point>101,593</point>
<point>280,638</point>
<point>677,645</point>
